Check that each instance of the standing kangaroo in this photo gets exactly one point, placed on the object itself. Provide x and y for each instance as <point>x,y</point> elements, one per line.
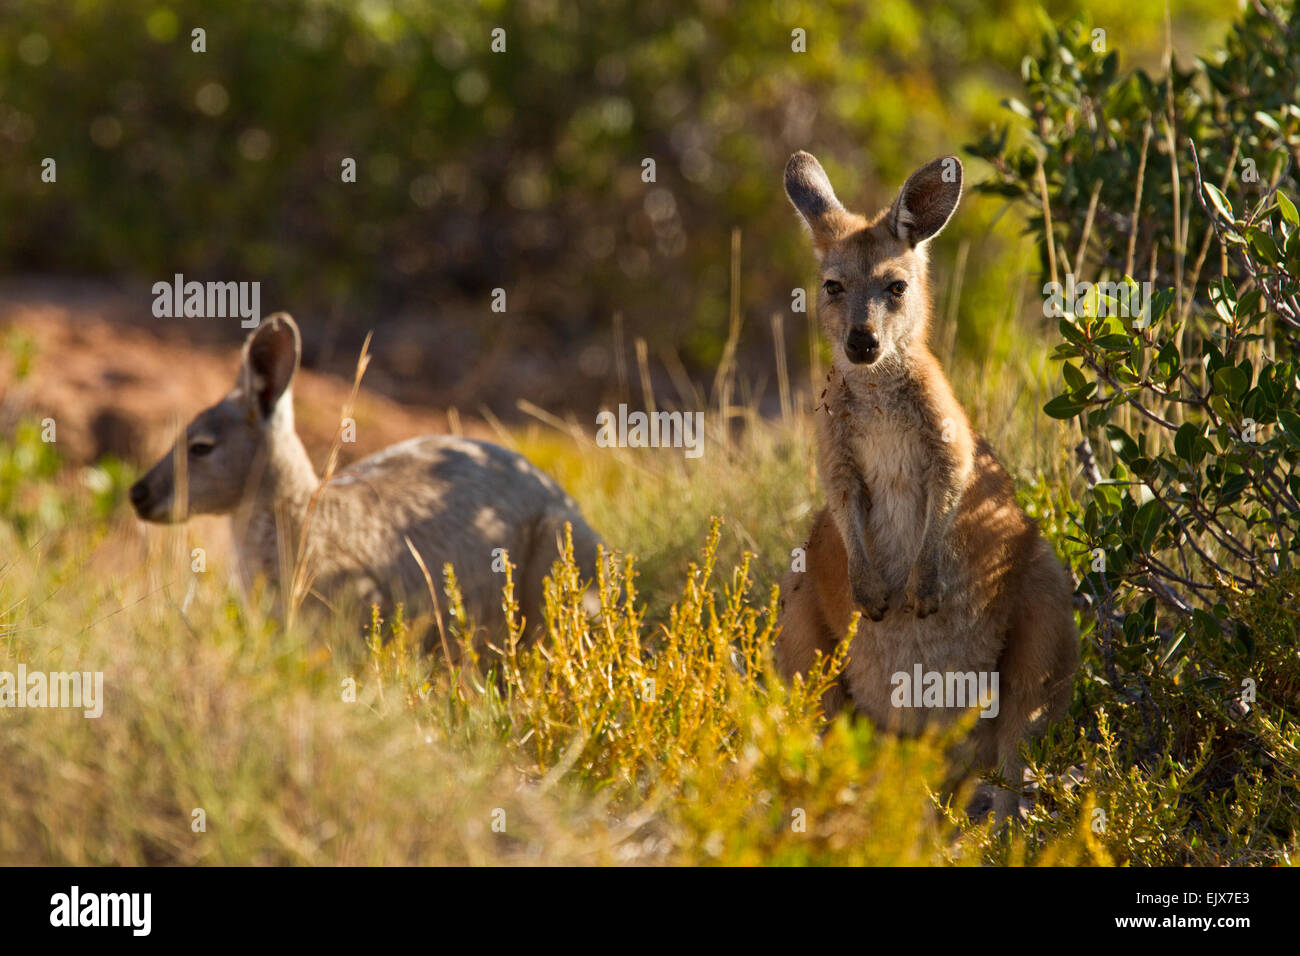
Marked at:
<point>921,530</point>
<point>458,501</point>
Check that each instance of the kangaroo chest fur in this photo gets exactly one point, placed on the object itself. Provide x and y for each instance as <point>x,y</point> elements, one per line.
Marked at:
<point>888,456</point>
<point>875,437</point>
<point>887,441</point>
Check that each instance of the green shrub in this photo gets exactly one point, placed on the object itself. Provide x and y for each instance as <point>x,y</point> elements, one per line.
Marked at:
<point>1184,541</point>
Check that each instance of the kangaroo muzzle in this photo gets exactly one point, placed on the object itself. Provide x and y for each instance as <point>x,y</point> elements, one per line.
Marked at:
<point>861,346</point>
<point>140,497</point>
<point>151,504</point>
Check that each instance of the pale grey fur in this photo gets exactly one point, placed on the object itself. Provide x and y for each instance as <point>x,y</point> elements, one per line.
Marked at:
<point>457,500</point>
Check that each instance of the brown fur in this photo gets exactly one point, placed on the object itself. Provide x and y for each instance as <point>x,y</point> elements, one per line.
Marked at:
<point>921,530</point>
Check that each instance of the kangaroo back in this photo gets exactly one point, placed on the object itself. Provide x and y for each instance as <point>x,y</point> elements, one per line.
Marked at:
<point>467,503</point>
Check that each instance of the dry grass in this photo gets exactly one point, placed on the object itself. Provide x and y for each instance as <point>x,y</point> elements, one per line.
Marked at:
<point>657,733</point>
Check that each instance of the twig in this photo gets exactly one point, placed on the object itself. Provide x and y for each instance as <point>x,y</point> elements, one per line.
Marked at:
<point>1087,230</point>
<point>1047,222</point>
<point>1137,200</point>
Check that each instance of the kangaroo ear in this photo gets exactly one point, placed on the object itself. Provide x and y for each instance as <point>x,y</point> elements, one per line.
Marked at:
<point>927,201</point>
<point>810,190</point>
<point>271,357</point>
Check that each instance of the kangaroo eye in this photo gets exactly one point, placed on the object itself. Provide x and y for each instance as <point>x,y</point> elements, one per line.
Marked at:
<point>832,287</point>
<point>200,448</point>
<point>897,288</point>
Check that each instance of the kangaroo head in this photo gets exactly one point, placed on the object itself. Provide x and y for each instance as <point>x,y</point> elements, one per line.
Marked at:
<point>874,301</point>
<point>214,462</point>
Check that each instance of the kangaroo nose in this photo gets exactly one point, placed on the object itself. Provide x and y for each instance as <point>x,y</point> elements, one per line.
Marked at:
<point>139,494</point>
<point>861,345</point>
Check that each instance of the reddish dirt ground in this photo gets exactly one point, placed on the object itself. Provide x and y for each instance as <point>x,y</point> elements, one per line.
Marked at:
<point>117,384</point>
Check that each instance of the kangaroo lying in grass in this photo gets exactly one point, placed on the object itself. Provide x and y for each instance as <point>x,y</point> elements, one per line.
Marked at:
<point>457,500</point>
<point>921,530</point>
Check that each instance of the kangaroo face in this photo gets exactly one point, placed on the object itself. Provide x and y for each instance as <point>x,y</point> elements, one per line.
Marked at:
<point>216,454</point>
<point>874,295</point>
<point>216,459</point>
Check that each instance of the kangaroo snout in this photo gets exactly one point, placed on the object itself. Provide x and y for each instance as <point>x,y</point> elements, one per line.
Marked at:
<point>861,347</point>
<point>139,494</point>
<point>151,502</point>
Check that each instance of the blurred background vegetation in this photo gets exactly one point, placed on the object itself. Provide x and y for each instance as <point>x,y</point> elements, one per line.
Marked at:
<point>520,170</point>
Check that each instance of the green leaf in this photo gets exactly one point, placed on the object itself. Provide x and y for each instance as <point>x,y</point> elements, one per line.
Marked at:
<point>1072,332</point>
<point>1114,342</point>
<point>1185,442</point>
<point>1073,377</point>
<point>1224,304</point>
<point>1290,423</point>
<point>1232,488</point>
<point>1169,362</point>
<point>1063,406</point>
<point>1288,209</point>
<point>1147,523</point>
<point>1109,497</point>
<point>1264,246</point>
<point>1248,304</point>
<point>1219,201</point>
<point>1232,381</point>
